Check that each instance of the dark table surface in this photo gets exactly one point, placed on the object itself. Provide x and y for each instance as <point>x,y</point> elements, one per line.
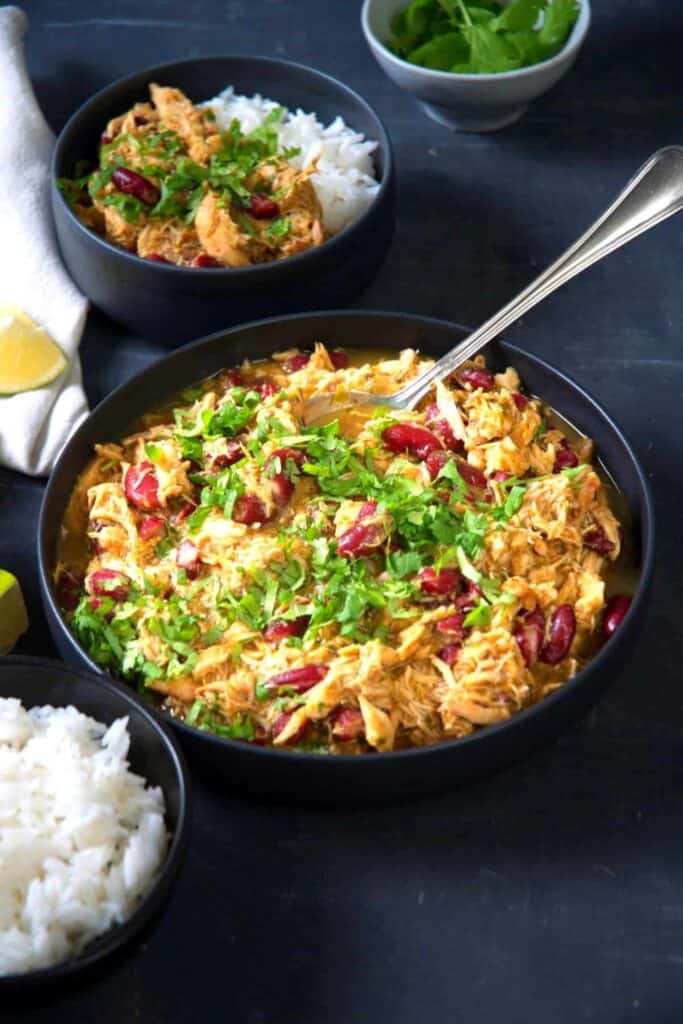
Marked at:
<point>553,892</point>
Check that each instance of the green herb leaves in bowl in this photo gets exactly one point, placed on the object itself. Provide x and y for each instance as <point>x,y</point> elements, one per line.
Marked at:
<point>484,37</point>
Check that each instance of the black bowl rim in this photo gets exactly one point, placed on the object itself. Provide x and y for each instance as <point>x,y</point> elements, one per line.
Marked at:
<point>119,934</point>
<point>490,732</point>
<point>298,260</point>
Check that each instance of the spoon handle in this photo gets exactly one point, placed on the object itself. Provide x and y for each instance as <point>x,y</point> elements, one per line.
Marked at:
<point>653,194</point>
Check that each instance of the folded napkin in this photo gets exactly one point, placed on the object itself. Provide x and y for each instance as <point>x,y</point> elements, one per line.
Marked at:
<point>34,425</point>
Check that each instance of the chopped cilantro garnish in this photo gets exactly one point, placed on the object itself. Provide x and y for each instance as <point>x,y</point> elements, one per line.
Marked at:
<point>541,429</point>
<point>278,228</point>
<point>208,719</point>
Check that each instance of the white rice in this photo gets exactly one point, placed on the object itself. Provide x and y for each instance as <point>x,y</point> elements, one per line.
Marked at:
<point>81,837</point>
<point>344,178</point>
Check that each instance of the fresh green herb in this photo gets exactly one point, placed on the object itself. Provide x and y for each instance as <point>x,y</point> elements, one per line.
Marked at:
<point>154,452</point>
<point>261,690</point>
<point>244,222</point>
<point>209,720</point>
<point>278,228</point>
<point>483,37</point>
<point>541,429</point>
<point>129,207</point>
<point>73,190</point>
<point>479,616</point>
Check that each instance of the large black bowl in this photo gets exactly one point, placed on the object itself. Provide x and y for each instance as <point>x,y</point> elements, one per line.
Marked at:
<point>154,754</point>
<point>173,304</point>
<point>375,776</point>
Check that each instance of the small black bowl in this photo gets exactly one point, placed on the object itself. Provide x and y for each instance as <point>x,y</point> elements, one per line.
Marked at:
<point>343,778</point>
<point>154,754</point>
<point>173,304</point>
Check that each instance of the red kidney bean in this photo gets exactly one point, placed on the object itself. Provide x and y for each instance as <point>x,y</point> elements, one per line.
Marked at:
<point>298,679</point>
<point>411,438</point>
<point>283,488</point>
<point>105,139</point>
<point>142,487</point>
<point>233,378</point>
<point>296,362</point>
<point>133,184</point>
<point>565,459</point>
<point>520,400</point>
<point>442,429</point>
<point>183,513</point>
<point>449,654</point>
<point>282,629</point>
<point>69,590</point>
<point>265,387</point>
<point>260,737</point>
<point>529,635</point>
<point>467,601</point>
<point>205,262</point>
<point>435,462</point>
<point>596,539</point>
<point>441,584</point>
<point>233,453</point>
<point>339,359</point>
<point>152,526</point>
<point>156,257</point>
<point>263,208</point>
<point>367,509</point>
<point>471,475</point>
<point>282,720</point>
<point>249,509</point>
<point>452,626</point>
<point>361,539</point>
<point>562,630</point>
<point>347,724</point>
<point>476,377</point>
<point>108,583</point>
<point>187,558</point>
<point>615,612</point>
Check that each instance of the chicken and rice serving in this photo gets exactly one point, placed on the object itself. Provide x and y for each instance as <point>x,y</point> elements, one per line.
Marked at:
<point>189,185</point>
<point>378,582</point>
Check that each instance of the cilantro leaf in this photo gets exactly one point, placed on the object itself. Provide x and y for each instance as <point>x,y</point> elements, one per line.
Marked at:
<point>479,616</point>
<point>558,20</point>
<point>440,52</point>
<point>403,563</point>
<point>518,15</point>
<point>490,52</point>
<point>278,228</point>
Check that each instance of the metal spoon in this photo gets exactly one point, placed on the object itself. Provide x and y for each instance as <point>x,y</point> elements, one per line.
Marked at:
<point>655,193</point>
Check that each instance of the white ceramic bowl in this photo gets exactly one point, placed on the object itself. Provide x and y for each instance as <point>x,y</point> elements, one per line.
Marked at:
<point>469,103</point>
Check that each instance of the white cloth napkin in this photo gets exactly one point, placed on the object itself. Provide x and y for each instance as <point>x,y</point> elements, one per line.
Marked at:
<point>34,425</point>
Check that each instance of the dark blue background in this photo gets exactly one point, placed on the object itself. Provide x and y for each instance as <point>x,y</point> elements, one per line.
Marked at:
<point>551,893</point>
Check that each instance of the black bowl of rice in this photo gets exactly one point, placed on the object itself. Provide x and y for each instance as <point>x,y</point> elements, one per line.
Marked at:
<point>93,820</point>
<point>354,182</point>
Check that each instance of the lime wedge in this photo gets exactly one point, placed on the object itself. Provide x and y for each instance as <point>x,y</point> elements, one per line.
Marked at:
<point>13,617</point>
<point>29,358</point>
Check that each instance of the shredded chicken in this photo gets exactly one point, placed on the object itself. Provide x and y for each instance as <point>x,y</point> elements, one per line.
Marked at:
<point>413,665</point>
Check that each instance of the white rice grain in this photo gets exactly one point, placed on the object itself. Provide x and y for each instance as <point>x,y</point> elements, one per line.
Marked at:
<point>81,836</point>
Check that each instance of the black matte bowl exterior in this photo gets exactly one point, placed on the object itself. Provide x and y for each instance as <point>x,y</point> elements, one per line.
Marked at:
<point>173,304</point>
<point>154,754</point>
<point>329,779</point>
